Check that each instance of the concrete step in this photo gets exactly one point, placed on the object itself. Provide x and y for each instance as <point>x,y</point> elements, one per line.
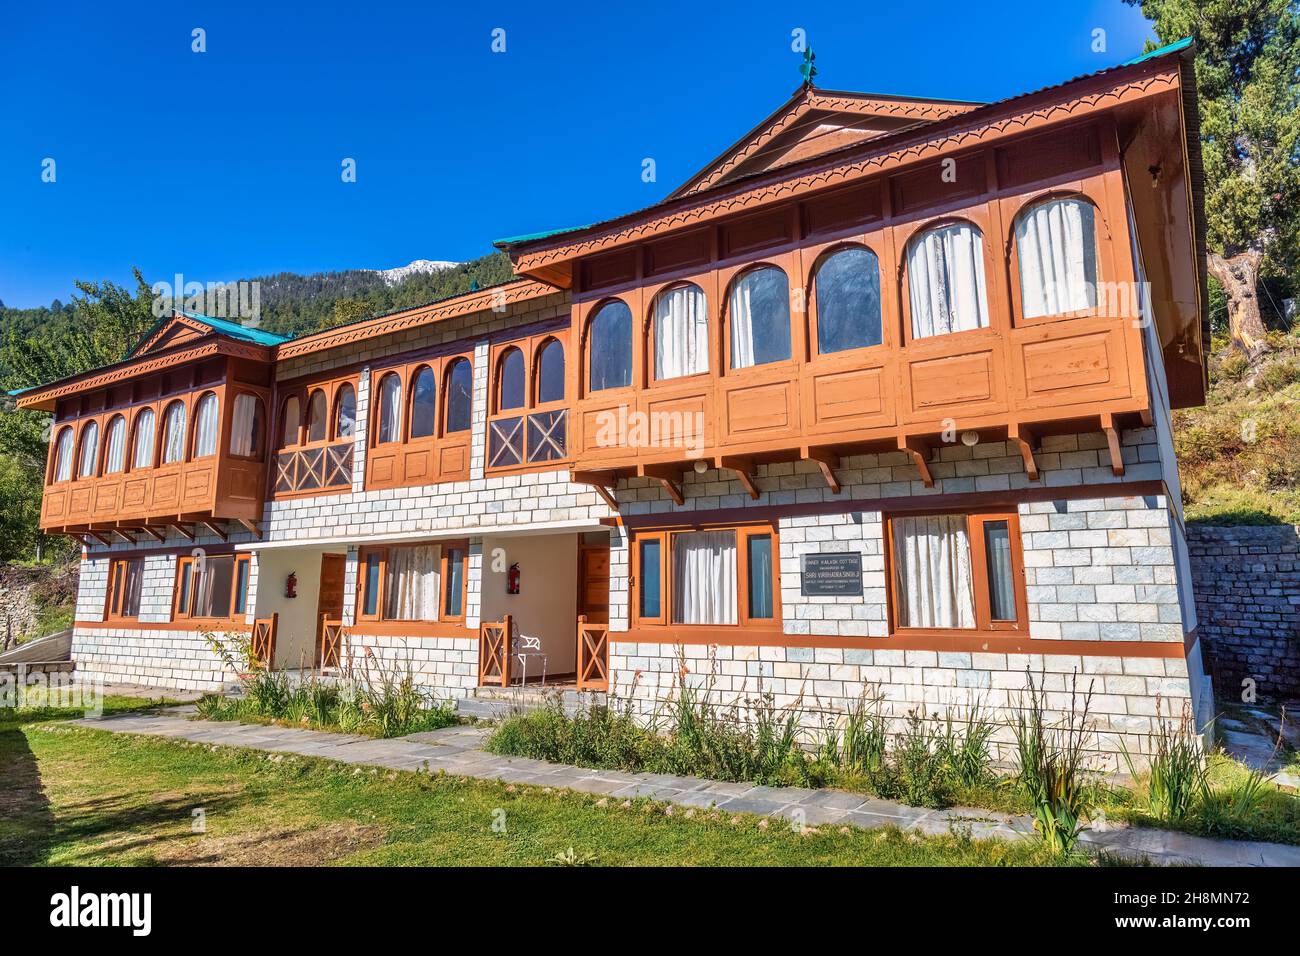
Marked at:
<point>494,703</point>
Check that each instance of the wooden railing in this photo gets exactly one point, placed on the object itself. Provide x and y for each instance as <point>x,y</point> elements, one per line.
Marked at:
<point>494,652</point>
<point>593,655</point>
<point>262,647</point>
<point>331,643</point>
<point>537,437</point>
<point>314,469</point>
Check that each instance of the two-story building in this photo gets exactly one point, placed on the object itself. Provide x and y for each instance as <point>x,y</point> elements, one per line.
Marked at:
<point>878,398</point>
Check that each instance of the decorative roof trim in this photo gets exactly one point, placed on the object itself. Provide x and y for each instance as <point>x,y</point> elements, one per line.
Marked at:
<point>493,299</point>
<point>837,171</point>
<point>805,101</point>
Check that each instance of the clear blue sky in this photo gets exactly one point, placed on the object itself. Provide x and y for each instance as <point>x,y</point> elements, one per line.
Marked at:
<point>226,164</point>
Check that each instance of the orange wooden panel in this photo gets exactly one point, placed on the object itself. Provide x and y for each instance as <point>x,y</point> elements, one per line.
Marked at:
<point>953,382</point>
<point>848,398</point>
<point>761,408</point>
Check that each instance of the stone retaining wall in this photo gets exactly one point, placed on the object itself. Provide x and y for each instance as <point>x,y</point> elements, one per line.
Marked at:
<point>1247,586</point>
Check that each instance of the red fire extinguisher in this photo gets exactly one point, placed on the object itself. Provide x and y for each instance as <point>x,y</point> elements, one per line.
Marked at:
<point>512,579</point>
<point>291,585</point>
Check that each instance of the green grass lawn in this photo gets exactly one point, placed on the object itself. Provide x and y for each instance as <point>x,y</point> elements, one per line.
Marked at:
<point>78,797</point>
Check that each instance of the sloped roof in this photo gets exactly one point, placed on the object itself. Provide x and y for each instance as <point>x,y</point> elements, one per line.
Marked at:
<point>225,327</point>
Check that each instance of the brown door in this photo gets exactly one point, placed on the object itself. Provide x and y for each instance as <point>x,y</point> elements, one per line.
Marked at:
<point>593,583</point>
<point>329,604</point>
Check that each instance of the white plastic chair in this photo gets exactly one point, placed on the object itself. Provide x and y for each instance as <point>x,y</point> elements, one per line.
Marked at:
<point>523,648</point>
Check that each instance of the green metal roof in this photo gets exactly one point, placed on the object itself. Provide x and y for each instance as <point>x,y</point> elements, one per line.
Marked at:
<point>233,329</point>
<point>1174,47</point>
<point>515,240</point>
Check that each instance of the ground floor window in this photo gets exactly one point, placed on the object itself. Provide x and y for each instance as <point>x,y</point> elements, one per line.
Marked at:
<point>957,572</point>
<point>410,583</point>
<point>712,577</point>
<point>212,586</point>
<point>125,585</point>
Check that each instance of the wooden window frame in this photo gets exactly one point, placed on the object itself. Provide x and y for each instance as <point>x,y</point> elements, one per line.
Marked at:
<point>444,391</point>
<point>444,581</point>
<point>872,244</point>
<point>498,380</point>
<point>336,402</point>
<point>192,427</point>
<point>975,522</point>
<point>185,581</point>
<point>260,445</point>
<point>408,409</point>
<point>534,394</point>
<point>113,416</point>
<point>383,551</point>
<point>652,304</point>
<point>587,342</point>
<point>531,350</point>
<point>53,479</point>
<point>743,533</point>
<point>783,265</point>
<point>117,591</point>
<point>80,451</point>
<point>979,216</point>
<point>1013,210</point>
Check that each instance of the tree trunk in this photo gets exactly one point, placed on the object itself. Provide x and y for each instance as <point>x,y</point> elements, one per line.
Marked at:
<point>1239,277</point>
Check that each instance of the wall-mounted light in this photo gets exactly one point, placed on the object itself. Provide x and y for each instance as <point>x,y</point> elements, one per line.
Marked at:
<point>970,438</point>
<point>700,466</point>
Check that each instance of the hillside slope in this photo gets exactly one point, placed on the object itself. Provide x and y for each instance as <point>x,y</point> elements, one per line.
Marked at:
<point>1239,455</point>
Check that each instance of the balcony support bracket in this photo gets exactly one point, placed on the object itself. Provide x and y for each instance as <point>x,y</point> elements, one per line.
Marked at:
<point>744,470</point>
<point>670,476</point>
<point>920,452</point>
<point>99,536</point>
<point>827,461</point>
<point>214,529</point>
<point>249,526</point>
<point>159,536</point>
<point>1112,441</point>
<point>601,483</point>
<point>182,530</point>
<point>1025,440</point>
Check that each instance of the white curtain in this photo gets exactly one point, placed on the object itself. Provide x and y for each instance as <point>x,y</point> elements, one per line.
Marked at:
<point>945,274</point>
<point>63,456</point>
<point>174,433</point>
<point>144,434</point>
<point>205,426</point>
<point>346,426</point>
<point>1056,249</point>
<point>932,571</point>
<point>411,590</point>
<point>390,408</point>
<point>89,450</point>
<point>115,452</point>
<point>681,333</point>
<point>244,425</point>
<point>704,577</point>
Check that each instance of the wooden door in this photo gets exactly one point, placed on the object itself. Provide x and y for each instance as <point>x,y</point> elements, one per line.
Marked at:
<point>593,583</point>
<point>593,618</point>
<point>329,603</point>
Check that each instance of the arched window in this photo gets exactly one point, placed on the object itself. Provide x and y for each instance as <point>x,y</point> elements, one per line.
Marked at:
<point>173,448</point>
<point>459,400</point>
<point>390,409</point>
<point>945,279</point>
<point>317,416</point>
<point>290,421</point>
<point>760,318</point>
<point>847,290</point>
<point>205,426</point>
<point>246,426</point>
<point>115,445</point>
<point>63,456</point>
<point>610,347</point>
<point>681,332</point>
<point>424,400</point>
<point>89,450</point>
<point>345,412</point>
<point>550,373</point>
<point>145,432</point>
<point>1056,248</point>
<point>510,380</point>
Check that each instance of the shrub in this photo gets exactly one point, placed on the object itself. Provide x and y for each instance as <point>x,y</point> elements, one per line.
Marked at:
<point>920,762</point>
<point>967,752</point>
<point>1051,766</point>
<point>1177,777</point>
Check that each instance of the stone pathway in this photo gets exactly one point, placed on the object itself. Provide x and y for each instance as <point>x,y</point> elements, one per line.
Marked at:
<point>1263,738</point>
<point>458,751</point>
